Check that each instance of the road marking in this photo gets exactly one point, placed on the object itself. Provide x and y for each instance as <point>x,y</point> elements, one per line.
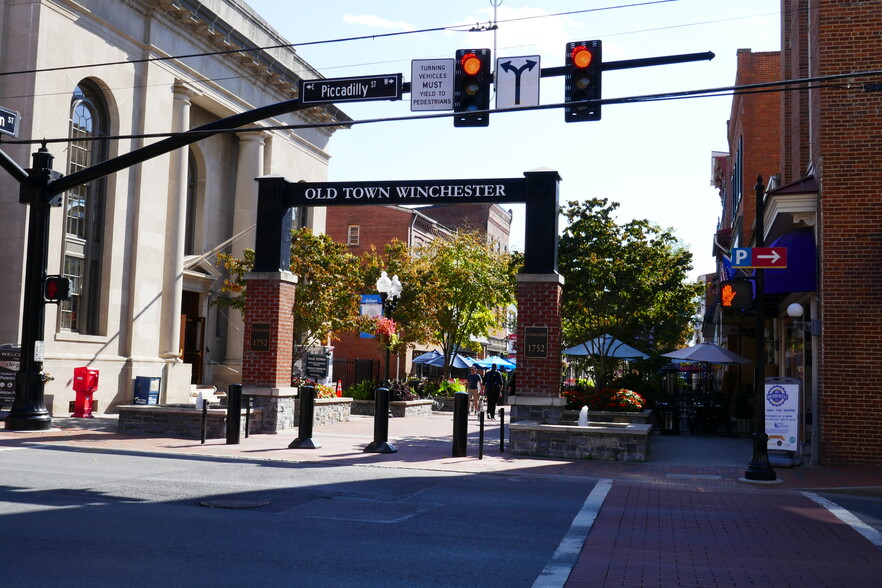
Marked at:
<point>556,571</point>
<point>874,536</point>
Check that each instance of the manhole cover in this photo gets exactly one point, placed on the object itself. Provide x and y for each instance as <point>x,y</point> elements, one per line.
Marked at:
<point>233,503</point>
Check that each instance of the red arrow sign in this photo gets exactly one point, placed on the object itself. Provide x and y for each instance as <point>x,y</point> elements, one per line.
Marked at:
<point>769,257</point>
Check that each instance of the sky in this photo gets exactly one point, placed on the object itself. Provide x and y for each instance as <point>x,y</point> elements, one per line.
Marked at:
<point>654,159</point>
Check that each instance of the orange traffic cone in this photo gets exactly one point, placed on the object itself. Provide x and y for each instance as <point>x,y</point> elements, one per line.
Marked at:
<point>339,388</point>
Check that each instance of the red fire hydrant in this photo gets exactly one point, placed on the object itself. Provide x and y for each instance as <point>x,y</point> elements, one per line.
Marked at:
<point>84,384</point>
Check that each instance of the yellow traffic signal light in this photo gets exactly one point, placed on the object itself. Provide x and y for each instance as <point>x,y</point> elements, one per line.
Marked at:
<point>471,87</point>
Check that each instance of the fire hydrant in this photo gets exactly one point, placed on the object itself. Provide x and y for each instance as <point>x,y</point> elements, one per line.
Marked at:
<point>85,382</point>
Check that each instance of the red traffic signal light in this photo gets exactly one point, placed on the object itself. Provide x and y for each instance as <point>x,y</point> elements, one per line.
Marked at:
<point>56,288</point>
<point>736,294</point>
<point>583,65</point>
<point>471,87</point>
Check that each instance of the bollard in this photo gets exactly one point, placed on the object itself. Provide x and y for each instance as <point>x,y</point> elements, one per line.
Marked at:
<point>481,435</point>
<point>234,413</point>
<point>381,444</point>
<point>204,419</point>
<point>501,430</point>
<point>460,423</point>
<point>304,438</point>
<point>249,401</point>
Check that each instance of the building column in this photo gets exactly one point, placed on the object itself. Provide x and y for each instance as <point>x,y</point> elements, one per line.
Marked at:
<point>176,219</point>
<point>539,351</point>
<point>248,167</point>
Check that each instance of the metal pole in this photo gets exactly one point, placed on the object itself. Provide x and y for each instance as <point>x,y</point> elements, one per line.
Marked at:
<point>234,413</point>
<point>248,402</point>
<point>28,413</point>
<point>502,430</point>
<point>204,419</point>
<point>481,435</point>
<point>759,468</point>
<point>304,438</point>
<point>381,444</point>
<point>460,423</point>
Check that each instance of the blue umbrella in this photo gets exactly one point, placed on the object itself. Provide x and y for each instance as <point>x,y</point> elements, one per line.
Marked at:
<point>606,345</point>
<point>488,362</point>
<point>426,357</point>
<point>456,361</point>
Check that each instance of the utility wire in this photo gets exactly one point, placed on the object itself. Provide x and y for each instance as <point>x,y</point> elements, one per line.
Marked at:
<point>458,28</point>
<point>798,85</point>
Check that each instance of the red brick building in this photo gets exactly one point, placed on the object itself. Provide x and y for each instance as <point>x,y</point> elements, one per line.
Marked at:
<point>818,148</point>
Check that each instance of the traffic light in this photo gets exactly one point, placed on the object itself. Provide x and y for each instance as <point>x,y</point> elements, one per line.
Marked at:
<point>736,294</point>
<point>471,87</point>
<point>583,64</point>
<point>56,288</point>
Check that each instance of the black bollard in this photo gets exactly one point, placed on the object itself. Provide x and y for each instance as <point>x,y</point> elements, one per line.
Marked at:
<point>481,435</point>
<point>502,430</point>
<point>234,413</point>
<point>304,438</point>
<point>460,423</point>
<point>381,444</point>
<point>204,419</point>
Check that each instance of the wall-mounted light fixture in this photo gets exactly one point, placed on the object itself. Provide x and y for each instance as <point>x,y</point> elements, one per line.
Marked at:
<point>795,311</point>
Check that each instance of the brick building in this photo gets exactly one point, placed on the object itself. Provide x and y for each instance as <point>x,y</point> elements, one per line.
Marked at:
<point>819,152</point>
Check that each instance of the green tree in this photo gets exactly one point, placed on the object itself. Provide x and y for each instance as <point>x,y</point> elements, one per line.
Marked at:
<point>329,282</point>
<point>628,281</point>
<point>455,289</point>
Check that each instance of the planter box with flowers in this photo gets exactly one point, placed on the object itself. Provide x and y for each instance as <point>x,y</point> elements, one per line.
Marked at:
<point>607,406</point>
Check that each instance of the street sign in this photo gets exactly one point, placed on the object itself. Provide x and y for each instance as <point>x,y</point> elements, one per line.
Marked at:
<point>759,257</point>
<point>517,81</point>
<point>431,84</point>
<point>360,89</point>
<point>9,121</point>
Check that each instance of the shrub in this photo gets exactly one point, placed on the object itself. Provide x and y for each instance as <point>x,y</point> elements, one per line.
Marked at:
<point>451,387</point>
<point>364,390</point>
<point>608,399</point>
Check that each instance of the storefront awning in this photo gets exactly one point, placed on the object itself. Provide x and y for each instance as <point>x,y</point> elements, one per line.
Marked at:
<point>801,273</point>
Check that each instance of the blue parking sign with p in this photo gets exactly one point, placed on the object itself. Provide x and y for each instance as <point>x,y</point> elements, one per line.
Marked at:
<point>742,257</point>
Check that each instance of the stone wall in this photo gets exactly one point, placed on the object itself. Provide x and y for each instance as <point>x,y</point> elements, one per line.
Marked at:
<point>627,442</point>
<point>398,408</point>
<point>184,422</point>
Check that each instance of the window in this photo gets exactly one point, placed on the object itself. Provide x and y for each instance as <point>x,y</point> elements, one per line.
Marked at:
<point>84,213</point>
<point>190,222</point>
<point>352,235</point>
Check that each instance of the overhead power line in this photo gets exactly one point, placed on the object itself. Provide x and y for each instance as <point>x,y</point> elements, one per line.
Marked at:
<point>797,85</point>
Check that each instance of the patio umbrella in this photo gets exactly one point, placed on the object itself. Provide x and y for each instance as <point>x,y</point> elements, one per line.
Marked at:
<point>426,357</point>
<point>488,362</point>
<point>456,361</point>
<point>707,353</point>
<point>606,345</point>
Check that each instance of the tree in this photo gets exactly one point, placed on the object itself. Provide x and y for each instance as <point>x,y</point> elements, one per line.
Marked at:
<point>328,287</point>
<point>628,281</point>
<point>456,289</point>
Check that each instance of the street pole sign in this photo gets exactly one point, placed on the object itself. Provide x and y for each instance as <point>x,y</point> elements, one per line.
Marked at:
<point>431,84</point>
<point>759,257</point>
<point>9,121</point>
<point>360,89</point>
<point>517,81</point>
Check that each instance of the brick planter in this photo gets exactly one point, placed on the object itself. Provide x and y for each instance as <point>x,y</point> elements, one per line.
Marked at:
<point>398,408</point>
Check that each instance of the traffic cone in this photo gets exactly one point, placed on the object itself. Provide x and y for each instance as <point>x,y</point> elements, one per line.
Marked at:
<point>339,388</point>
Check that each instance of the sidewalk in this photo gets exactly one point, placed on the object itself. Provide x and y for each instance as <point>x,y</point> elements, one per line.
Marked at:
<point>681,519</point>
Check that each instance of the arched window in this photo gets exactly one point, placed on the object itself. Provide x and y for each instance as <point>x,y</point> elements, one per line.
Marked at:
<point>84,212</point>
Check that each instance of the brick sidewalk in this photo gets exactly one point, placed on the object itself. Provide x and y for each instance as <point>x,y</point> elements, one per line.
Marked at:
<point>662,535</point>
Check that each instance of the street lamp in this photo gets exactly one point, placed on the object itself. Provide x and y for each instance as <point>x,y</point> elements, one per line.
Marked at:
<point>390,292</point>
<point>795,311</point>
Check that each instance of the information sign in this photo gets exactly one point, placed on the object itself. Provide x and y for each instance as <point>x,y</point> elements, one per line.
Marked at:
<point>536,342</point>
<point>387,87</point>
<point>782,414</point>
<point>431,84</point>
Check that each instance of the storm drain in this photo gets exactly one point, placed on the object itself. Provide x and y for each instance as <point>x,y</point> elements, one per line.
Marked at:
<point>694,476</point>
<point>233,503</point>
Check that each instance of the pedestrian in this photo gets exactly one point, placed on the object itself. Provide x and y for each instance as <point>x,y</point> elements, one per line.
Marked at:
<point>475,383</point>
<point>492,390</point>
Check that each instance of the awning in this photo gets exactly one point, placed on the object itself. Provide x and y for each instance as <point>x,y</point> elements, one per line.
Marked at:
<point>801,273</point>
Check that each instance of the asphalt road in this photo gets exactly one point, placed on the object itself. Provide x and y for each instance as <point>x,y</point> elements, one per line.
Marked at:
<point>98,518</point>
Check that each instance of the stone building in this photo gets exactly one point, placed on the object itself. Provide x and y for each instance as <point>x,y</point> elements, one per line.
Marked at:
<point>139,245</point>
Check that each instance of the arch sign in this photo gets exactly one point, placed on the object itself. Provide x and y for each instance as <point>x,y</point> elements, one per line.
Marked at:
<point>537,189</point>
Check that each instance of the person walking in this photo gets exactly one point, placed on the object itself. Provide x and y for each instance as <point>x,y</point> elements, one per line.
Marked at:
<point>492,389</point>
<point>475,382</point>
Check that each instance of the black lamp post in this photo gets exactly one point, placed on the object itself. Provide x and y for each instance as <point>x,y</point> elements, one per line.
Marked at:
<point>390,292</point>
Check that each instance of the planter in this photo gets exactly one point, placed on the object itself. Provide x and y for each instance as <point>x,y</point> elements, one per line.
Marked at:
<point>398,408</point>
<point>607,416</point>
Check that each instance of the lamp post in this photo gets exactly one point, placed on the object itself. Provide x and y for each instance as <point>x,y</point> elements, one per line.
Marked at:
<point>390,292</point>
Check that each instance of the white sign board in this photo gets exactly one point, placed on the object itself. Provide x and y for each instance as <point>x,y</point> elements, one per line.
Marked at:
<point>517,81</point>
<point>782,416</point>
<point>431,84</point>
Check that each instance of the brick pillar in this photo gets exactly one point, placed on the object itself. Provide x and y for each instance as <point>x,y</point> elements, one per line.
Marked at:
<point>538,379</point>
<point>267,351</point>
